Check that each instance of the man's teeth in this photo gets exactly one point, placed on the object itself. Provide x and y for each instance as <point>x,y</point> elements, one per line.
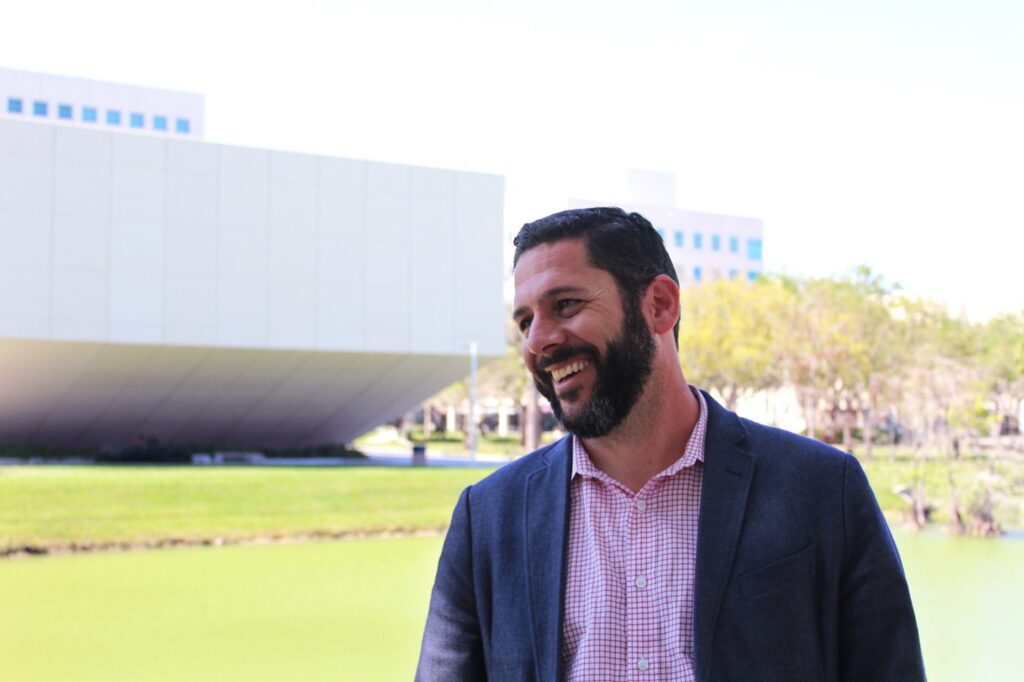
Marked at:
<point>572,368</point>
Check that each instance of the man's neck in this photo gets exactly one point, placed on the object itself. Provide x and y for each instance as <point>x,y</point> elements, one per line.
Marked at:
<point>650,439</point>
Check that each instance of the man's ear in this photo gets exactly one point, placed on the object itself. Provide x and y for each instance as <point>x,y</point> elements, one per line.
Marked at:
<point>661,304</point>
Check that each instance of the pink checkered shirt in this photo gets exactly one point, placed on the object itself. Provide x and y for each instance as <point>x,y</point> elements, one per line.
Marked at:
<point>632,560</point>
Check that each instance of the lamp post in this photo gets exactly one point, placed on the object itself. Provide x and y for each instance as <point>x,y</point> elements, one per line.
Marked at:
<point>472,400</point>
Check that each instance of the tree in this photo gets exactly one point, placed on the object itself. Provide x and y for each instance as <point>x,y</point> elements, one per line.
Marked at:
<point>726,336</point>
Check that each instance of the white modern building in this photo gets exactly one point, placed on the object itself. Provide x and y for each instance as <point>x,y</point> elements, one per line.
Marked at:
<point>703,246</point>
<point>154,285</point>
<point>97,105</point>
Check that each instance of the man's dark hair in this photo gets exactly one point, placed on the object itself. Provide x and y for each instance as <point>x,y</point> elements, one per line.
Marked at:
<point>625,245</point>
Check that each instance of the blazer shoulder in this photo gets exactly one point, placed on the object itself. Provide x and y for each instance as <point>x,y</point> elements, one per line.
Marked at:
<point>767,443</point>
<point>512,476</point>
<point>778,446</point>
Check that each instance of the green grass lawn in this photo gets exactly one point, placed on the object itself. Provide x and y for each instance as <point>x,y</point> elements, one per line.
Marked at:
<point>971,476</point>
<point>58,507</point>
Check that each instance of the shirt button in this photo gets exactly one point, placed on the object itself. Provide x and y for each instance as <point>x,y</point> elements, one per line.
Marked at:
<point>641,582</point>
<point>641,505</point>
<point>642,664</point>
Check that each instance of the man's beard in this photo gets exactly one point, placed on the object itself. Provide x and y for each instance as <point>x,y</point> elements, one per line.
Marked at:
<point>620,378</point>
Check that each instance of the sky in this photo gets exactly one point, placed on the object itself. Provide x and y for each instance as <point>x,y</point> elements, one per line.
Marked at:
<point>880,133</point>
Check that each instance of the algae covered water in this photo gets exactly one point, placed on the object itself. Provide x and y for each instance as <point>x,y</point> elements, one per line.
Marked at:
<point>354,610</point>
<point>969,597</point>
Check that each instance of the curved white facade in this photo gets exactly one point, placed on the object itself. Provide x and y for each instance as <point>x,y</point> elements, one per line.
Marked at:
<point>204,293</point>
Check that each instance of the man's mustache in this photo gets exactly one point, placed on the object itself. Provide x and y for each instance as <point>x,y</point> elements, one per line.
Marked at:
<point>563,354</point>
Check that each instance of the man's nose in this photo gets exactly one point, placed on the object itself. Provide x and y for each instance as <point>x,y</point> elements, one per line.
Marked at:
<point>545,335</point>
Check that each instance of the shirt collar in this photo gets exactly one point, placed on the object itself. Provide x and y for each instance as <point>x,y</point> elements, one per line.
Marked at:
<point>693,453</point>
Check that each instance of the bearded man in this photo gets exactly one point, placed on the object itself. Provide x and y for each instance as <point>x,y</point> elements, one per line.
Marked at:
<point>665,538</point>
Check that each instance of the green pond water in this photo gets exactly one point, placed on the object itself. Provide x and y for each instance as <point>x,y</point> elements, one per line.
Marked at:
<point>354,610</point>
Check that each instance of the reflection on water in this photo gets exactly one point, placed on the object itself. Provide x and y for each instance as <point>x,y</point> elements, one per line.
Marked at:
<point>969,597</point>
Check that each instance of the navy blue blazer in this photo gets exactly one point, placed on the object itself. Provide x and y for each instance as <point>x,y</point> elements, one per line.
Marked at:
<point>798,577</point>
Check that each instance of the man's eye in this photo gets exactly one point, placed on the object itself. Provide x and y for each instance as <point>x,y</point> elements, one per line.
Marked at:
<point>567,304</point>
<point>524,325</point>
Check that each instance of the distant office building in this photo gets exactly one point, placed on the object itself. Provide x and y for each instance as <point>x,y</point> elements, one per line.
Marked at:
<point>83,103</point>
<point>156,285</point>
<point>703,246</point>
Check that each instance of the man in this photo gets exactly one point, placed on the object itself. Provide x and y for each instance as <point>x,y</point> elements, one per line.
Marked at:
<point>666,538</point>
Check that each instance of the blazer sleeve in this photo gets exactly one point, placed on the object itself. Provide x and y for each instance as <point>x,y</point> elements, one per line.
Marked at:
<point>452,648</point>
<point>877,628</point>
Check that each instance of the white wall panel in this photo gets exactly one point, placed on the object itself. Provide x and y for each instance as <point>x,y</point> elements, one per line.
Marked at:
<point>388,205</point>
<point>24,328</point>
<point>292,257</point>
<point>387,265</point>
<point>434,268</point>
<point>137,195</point>
<point>24,238</point>
<point>243,162</point>
<point>432,320</point>
<point>192,157</point>
<point>293,209</point>
<point>242,255</point>
<point>192,199</point>
<point>137,247</point>
<point>341,212</point>
<point>26,140</point>
<point>342,173</point>
<point>190,251</point>
<point>24,293</point>
<point>340,260</point>
<point>242,312</point>
<point>291,319</point>
<point>190,310</point>
<point>26,184</point>
<point>243,204</point>
<point>340,318</point>
<point>80,242</point>
<point>133,332</point>
<point>387,320</point>
<point>136,298</point>
<point>82,188</point>
<point>80,294</point>
<point>86,146</point>
<point>287,168</point>
<point>145,153</point>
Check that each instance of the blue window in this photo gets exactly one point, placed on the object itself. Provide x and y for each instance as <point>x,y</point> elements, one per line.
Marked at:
<point>679,238</point>
<point>754,249</point>
<point>40,109</point>
<point>733,274</point>
<point>734,243</point>
<point>137,120</point>
<point>716,243</point>
<point>696,273</point>
<point>698,240</point>
<point>181,125</point>
<point>89,114</point>
<point>113,117</point>
<point>752,276</point>
<point>13,105</point>
<point>159,123</point>
<point>64,111</point>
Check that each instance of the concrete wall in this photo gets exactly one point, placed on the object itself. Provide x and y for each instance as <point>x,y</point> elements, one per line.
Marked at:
<point>110,240</point>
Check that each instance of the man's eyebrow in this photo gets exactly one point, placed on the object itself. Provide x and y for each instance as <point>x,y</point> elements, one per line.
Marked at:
<point>550,293</point>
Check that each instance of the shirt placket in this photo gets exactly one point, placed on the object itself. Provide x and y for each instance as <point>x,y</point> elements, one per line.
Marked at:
<point>640,651</point>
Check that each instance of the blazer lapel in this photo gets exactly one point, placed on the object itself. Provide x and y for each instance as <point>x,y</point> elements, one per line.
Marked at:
<point>547,521</point>
<point>728,471</point>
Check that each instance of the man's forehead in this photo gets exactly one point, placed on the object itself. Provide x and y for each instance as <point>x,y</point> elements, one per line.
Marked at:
<point>553,269</point>
<point>565,257</point>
